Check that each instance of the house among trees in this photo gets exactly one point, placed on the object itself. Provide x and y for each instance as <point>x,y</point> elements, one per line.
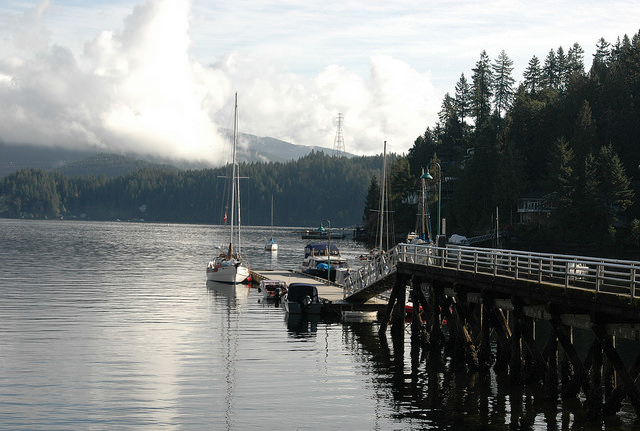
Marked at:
<point>536,208</point>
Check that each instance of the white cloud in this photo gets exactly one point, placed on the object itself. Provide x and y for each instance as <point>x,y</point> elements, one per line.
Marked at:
<point>139,91</point>
<point>159,77</point>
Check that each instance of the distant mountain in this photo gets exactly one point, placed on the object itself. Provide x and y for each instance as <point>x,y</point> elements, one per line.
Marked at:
<point>16,157</point>
<point>83,162</point>
<point>109,165</point>
<point>267,149</point>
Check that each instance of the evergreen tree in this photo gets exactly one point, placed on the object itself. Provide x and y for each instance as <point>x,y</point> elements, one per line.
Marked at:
<point>447,110</point>
<point>371,205</point>
<point>592,220</point>
<point>562,182</point>
<point>402,184</point>
<point>603,52</point>
<point>462,100</point>
<point>562,69</point>
<point>614,185</point>
<point>550,71</point>
<point>508,181</point>
<point>482,84</point>
<point>575,60</point>
<point>503,83</point>
<point>601,60</point>
<point>584,140</point>
<point>449,129</point>
<point>423,147</point>
<point>533,76</point>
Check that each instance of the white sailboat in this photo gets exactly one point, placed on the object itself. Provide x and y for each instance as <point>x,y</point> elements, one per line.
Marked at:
<point>228,267</point>
<point>271,244</point>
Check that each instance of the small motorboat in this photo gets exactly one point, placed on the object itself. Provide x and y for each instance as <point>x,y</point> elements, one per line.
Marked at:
<point>272,289</point>
<point>302,298</point>
<point>322,260</point>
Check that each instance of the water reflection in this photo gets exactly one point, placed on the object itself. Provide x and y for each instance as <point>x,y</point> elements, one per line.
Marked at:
<point>437,395</point>
<point>235,294</point>
<point>301,325</point>
<point>231,297</point>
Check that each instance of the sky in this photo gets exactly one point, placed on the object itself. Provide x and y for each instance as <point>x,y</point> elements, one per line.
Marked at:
<point>158,77</point>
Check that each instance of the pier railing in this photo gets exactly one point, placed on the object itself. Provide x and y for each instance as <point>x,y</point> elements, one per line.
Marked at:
<point>374,270</point>
<point>618,277</point>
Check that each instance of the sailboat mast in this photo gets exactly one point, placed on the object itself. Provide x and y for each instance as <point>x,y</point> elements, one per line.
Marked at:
<point>383,192</point>
<point>239,248</point>
<point>234,167</point>
<point>271,215</point>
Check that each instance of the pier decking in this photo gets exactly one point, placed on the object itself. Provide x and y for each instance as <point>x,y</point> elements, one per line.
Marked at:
<point>331,294</point>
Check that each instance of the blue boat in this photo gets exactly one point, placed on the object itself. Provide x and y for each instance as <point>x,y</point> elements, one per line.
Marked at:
<point>320,262</point>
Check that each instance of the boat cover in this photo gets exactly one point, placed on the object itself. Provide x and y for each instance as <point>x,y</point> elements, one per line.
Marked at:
<point>320,249</point>
<point>276,283</point>
<point>297,292</point>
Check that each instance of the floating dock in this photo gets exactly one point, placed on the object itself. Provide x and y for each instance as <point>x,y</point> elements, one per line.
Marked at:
<point>331,294</point>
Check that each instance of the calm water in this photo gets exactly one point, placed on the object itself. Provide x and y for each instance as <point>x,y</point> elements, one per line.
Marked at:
<point>112,326</point>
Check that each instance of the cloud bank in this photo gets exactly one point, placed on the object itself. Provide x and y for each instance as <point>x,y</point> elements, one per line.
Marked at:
<point>138,90</point>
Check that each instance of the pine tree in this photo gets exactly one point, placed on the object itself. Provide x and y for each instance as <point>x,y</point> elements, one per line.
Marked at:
<point>561,177</point>
<point>601,59</point>
<point>549,71</point>
<point>371,205</point>
<point>614,185</point>
<point>447,110</point>
<point>533,76</point>
<point>462,100</point>
<point>588,203</point>
<point>481,89</point>
<point>562,69</point>
<point>585,139</point>
<point>603,52</point>
<point>503,91</point>
<point>575,60</point>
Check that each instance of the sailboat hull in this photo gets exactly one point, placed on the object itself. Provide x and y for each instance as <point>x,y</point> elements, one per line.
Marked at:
<point>223,270</point>
<point>230,273</point>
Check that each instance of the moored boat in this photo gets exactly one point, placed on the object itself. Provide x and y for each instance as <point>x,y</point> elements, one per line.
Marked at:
<point>229,267</point>
<point>302,298</point>
<point>272,289</point>
<point>323,260</point>
<point>271,245</point>
<point>323,233</point>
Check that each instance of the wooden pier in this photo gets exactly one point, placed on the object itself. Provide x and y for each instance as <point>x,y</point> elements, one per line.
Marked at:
<point>526,307</point>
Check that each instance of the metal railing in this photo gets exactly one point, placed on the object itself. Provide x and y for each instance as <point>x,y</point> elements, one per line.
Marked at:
<point>373,270</point>
<point>618,277</point>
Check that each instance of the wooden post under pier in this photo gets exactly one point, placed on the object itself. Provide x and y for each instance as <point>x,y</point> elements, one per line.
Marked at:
<point>474,311</point>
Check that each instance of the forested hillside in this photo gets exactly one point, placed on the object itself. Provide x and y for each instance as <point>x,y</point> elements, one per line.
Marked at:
<point>567,134</point>
<point>306,191</point>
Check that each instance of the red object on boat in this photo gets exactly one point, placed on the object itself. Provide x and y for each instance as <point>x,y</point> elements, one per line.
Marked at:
<point>408,307</point>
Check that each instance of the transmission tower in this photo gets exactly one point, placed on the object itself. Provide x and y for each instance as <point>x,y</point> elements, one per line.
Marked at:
<point>338,142</point>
